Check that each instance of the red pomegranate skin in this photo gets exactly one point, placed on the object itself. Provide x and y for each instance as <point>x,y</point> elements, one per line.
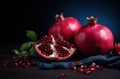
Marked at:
<point>66,27</point>
<point>93,39</point>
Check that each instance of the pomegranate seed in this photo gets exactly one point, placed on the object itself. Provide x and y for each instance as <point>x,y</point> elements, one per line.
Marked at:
<point>74,68</point>
<point>88,72</point>
<point>93,65</point>
<point>80,69</point>
<point>20,58</point>
<point>16,64</point>
<point>82,66</point>
<point>14,58</point>
<point>70,65</point>
<point>63,74</point>
<point>77,62</point>
<point>26,65</point>
<point>6,63</point>
<point>33,63</point>
<point>98,67</point>
<point>92,69</point>
<point>20,62</point>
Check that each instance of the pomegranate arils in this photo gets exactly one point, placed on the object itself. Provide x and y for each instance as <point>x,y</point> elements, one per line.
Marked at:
<point>116,49</point>
<point>6,63</point>
<point>88,69</point>
<point>77,63</point>
<point>56,48</point>
<point>46,39</point>
<point>19,61</point>
<point>46,49</point>
<point>61,51</point>
<point>97,67</point>
<point>70,65</point>
<point>64,44</point>
<point>74,68</point>
<point>87,72</point>
<point>63,74</point>
<point>16,64</point>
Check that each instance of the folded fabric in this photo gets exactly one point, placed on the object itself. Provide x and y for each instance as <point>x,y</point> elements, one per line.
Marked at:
<point>102,60</point>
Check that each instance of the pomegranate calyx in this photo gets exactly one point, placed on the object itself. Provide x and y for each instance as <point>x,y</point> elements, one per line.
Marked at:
<point>91,21</point>
<point>59,17</point>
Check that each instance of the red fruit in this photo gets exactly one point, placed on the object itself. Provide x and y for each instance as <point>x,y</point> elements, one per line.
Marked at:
<point>93,38</point>
<point>77,63</point>
<point>63,74</point>
<point>6,63</point>
<point>70,65</point>
<point>53,48</point>
<point>66,27</point>
<point>116,49</point>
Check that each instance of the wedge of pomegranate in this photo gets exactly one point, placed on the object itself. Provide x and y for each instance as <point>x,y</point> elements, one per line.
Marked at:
<point>53,48</point>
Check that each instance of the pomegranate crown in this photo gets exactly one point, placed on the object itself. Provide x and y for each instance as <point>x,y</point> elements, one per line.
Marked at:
<point>91,20</point>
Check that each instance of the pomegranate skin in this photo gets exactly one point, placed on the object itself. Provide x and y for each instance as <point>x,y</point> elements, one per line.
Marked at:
<point>66,27</point>
<point>94,39</point>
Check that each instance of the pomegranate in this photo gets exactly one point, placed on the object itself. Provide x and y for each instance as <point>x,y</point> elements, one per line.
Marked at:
<point>66,27</point>
<point>53,48</point>
<point>116,49</point>
<point>94,39</point>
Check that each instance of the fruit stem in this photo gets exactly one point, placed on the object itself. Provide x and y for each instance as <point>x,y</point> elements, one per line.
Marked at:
<point>59,17</point>
<point>91,21</point>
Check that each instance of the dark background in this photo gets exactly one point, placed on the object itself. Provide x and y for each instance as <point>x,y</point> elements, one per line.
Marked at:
<point>19,16</point>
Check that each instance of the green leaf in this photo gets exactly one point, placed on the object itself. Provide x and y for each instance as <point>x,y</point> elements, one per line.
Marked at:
<point>24,53</point>
<point>32,50</point>
<point>25,46</point>
<point>31,35</point>
<point>16,52</point>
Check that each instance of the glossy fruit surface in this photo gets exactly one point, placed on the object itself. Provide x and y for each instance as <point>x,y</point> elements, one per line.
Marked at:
<point>66,27</point>
<point>93,38</point>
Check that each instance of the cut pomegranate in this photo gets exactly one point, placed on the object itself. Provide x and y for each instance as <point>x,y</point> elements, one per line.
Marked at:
<point>53,48</point>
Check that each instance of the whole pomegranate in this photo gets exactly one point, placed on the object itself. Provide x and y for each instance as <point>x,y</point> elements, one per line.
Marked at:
<point>50,47</point>
<point>66,27</point>
<point>93,38</point>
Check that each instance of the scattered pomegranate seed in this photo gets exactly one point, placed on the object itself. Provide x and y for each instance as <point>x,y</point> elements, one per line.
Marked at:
<point>74,68</point>
<point>26,65</point>
<point>97,67</point>
<point>16,64</point>
<point>6,63</point>
<point>88,72</point>
<point>77,63</point>
<point>63,74</point>
<point>19,61</point>
<point>70,65</point>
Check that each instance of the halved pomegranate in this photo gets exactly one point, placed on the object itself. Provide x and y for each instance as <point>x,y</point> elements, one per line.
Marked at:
<point>53,48</point>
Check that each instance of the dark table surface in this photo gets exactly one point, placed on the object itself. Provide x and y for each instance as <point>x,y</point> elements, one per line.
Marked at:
<point>34,72</point>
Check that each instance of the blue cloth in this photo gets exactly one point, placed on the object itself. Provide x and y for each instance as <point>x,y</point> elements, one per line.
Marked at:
<point>110,60</point>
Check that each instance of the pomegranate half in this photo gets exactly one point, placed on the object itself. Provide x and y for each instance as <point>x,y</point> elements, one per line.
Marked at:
<point>66,27</point>
<point>93,38</point>
<point>53,48</point>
